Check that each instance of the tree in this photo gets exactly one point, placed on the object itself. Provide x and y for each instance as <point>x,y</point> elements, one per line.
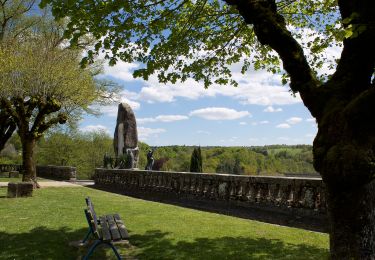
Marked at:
<point>13,23</point>
<point>237,168</point>
<point>196,160</point>
<point>201,39</point>
<point>7,127</point>
<point>40,87</point>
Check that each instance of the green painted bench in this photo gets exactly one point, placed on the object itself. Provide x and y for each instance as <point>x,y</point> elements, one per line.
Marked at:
<point>105,229</point>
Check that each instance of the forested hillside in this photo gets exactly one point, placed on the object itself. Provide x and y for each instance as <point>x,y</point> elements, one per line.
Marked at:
<point>86,151</point>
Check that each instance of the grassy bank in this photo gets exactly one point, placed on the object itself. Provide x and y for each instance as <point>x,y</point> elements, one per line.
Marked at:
<point>41,227</point>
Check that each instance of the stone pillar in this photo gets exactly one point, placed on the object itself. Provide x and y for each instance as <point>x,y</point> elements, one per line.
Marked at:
<point>20,189</point>
<point>125,139</point>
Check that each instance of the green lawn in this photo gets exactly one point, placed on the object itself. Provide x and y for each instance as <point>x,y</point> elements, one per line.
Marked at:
<point>42,226</point>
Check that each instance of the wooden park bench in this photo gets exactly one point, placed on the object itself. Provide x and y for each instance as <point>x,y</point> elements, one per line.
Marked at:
<point>105,229</point>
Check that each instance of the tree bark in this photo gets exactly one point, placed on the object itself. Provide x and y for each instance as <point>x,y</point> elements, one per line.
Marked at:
<point>29,167</point>
<point>344,156</point>
<point>352,222</point>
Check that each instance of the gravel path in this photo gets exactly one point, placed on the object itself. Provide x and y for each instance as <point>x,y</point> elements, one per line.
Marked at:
<point>50,183</point>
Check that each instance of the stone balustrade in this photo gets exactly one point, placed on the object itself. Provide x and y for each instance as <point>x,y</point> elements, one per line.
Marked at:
<point>299,196</point>
<point>10,167</point>
<point>45,171</point>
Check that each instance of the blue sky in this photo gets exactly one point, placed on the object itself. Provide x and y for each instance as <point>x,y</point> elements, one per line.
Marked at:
<point>260,111</point>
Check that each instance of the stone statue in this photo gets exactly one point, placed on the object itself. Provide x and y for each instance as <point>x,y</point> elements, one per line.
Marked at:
<point>125,141</point>
<point>150,160</point>
<point>130,159</point>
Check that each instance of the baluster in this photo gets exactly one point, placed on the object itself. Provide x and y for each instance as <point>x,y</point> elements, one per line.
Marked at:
<point>258,196</point>
<point>213,188</point>
<point>292,197</point>
<point>251,193</point>
<point>232,192</point>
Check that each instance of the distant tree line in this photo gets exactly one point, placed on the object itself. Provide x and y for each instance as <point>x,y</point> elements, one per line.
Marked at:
<point>86,152</point>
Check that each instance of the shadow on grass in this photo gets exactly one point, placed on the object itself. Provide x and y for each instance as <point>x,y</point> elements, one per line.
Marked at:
<point>318,224</point>
<point>43,243</point>
<point>155,245</point>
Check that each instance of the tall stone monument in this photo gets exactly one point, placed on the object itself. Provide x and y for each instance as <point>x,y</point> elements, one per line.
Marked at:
<point>125,141</point>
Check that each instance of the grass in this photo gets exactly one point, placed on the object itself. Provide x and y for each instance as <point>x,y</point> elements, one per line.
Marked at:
<point>42,226</point>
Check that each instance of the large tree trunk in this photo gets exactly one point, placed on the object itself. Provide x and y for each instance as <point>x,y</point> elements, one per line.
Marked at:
<point>344,156</point>
<point>29,168</point>
<point>352,222</point>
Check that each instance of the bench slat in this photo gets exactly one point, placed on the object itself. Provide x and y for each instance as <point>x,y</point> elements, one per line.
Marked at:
<point>113,227</point>
<point>90,205</point>
<point>106,234</point>
<point>121,227</point>
<point>93,225</point>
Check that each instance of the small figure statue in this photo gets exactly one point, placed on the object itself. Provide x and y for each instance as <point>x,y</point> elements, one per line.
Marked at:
<point>107,161</point>
<point>129,159</point>
<point>150,160</point>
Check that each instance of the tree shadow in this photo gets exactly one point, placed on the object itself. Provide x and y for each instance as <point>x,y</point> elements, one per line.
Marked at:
<point>319,224</point>
<point>44,243</point>
<point>155,245</point>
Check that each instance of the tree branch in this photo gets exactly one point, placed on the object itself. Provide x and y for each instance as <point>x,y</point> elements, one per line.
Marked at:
<point>357,62</point>
<point>270,28</point>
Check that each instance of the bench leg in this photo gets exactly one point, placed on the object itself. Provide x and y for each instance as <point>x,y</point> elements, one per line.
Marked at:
<point>115,251</point>
<point>91,250</point>
<point>87,236</point>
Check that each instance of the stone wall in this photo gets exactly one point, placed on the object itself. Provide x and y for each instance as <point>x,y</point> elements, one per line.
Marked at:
<point>10,167</point>
<point>56,172</point>
<point>45,171</point>
<point>296,196</point>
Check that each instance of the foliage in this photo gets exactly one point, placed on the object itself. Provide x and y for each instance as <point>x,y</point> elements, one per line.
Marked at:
<point>157,231</point>
<point>82,150</point>
<point>198,39</point>
<point>196,161</point>
<point>86,150</point>
<point>240,160</point>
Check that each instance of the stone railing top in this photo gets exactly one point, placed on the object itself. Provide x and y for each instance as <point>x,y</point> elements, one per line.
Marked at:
<point>219,174</point>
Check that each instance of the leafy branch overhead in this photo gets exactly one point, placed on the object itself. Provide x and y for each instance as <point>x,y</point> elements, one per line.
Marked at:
<point>199,39</point>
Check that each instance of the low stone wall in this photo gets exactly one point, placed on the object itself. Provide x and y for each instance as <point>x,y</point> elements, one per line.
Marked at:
<point>10,167</point>
<point>56,172</point>
<point>296,196</point>
<point>45,171</point>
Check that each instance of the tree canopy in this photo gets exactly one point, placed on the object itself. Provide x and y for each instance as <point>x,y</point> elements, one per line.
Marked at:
<point>198,39</point>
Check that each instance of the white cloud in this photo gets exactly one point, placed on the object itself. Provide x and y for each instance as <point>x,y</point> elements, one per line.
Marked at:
<point>310,120</point>
<point>260,123</point>
<point>255,93</point>
<point>243,123</point>
<point>294,120</point>
<point>203,132</point>
<point>283,126</point>
<point>219,113</point>
<point>125,97</point>
<point>144,132</point>
<point>121,70</point>
<point>271,109</point>
<point>162,118</point>
<point>310,135</point>
<point>264,88</point>
<point>95,128</point>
